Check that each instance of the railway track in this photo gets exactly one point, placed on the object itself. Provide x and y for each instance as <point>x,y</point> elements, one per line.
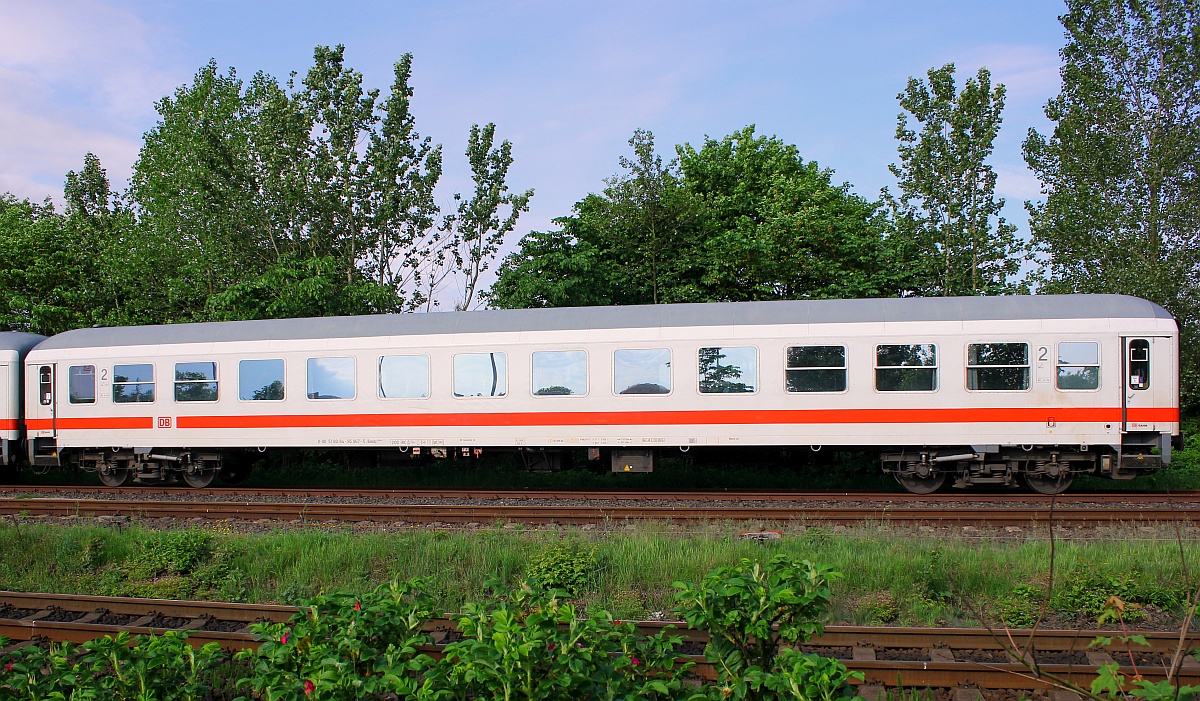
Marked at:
<point>486,507</point>
<point>888,657</point>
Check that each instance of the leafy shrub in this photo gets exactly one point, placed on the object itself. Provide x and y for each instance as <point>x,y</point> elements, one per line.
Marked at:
<point>1086,592</point>
<point>568,567</point>
<point>1021,608</point>
<point>171,552</point>
<point>877,609</point>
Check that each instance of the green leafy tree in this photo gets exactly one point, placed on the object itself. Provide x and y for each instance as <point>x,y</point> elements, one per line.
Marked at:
<point>1121,211</point>
<point>948,229</point>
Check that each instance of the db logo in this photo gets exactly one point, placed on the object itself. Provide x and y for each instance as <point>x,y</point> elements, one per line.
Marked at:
<point>164,422</point>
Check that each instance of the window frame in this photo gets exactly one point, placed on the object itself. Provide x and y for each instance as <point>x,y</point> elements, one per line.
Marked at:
<point>670,373</point>
<point>967,366</point>
<point>936,367</point>
<point>1129,363</point>
<point>757,372</point>
<point>284,381</point>
<point>215,381</point>
<point>153,383</point>
<point>95,386</point>
<point>845,368</point>
<point>428,378</point>
<point>454,375</point>
<point>1099,366</point>
<point>587,374</point>
<point>308,378</point>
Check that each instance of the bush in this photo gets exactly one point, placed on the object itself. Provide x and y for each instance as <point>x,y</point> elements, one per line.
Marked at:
<point>568,567</point>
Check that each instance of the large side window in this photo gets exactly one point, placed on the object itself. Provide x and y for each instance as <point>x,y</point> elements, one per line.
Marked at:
<point>480,374</point>
<point>404,377</point>
<point>260,380</point>
<point>133,383</point>
<point>331,378</point>
<point>557,373</point>
<point>642,371</point>
<point>196,382</point>
<point>816,369</point>
<point>1078,365</point>
<point>909,367</point>
<point>1139,364</point>
<point>728,370</point>
<point>81,384</point>
<point>998,366</point>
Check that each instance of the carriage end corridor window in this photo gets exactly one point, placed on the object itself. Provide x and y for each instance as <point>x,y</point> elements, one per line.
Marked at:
<point>330,378</point>
<point>1078,365</point>
<point>81,384</point>
<point>260,380</point>
<point>729,370</point>
<point>195,382</point>
<point>480,375</point>
<point>642,371</point>
<point>816,369</point>
<point>133,383</point>
<point>998,366</point>
<point>906,368</point>
<point>558,373</point>
<point>404,377</point>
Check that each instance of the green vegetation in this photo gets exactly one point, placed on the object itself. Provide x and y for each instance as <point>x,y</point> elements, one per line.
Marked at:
<point>629,572</point>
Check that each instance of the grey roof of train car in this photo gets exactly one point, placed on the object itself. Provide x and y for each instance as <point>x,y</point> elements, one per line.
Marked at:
<point>19,341</point>
<point>646,316</point>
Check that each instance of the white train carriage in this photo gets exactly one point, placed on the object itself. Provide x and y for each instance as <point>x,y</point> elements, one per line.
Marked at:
<point>980,390</point>
<point>14,345</point>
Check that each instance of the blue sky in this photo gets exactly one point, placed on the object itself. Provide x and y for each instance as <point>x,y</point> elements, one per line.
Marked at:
<point>566,82</point>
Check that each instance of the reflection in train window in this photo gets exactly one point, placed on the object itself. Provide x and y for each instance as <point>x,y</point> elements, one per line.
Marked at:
<point>816,369</point>
<point>906,368</point>
<point>404,377</point>
<point>557,373</point>
<point>81,384</point>
<point>133,383</point>
<point>480,375</point>
<point>1139,364</point>
<point>642,371</point>
<point>729,370</point>
<point>998,366</point>
<point>195,382</point>
<point>260,380</point>
<point>1078,365</point>
<point>330,378</point>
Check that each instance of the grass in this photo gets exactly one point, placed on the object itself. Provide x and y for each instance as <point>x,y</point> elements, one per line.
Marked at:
<point>891,576</point>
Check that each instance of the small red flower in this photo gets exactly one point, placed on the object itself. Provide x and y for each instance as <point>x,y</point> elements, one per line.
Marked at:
<point>636,662</point>
<point>8,667</point>
<point>550,647</point>
<point>309,687</point>
<point>283,640</point>
<point>617,622</point>
<point>357,606</point>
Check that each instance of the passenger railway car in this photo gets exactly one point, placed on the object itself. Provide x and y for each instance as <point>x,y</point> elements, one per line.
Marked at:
<point>13,348</point>
<point>979,390</point>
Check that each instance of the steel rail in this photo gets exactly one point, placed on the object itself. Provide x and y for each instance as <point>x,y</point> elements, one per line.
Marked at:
<point>943,648</point>
<point>485,513</point>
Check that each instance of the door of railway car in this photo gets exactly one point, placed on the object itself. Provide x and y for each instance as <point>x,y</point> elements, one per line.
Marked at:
<point>1148,382</point>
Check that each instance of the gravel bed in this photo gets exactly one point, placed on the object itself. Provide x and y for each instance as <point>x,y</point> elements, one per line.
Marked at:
<point>911,654</point>
<point>13,613</point>
<point>61,616</point>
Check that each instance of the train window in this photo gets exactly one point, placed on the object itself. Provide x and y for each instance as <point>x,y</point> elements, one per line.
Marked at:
<point>816,369</point>
<point>260,380</point>
<point>133,383</point>
<point>404,377</point>
<point>732,370</point>
<point>558,373</point>
<point>331,378</point>
<point>998,366</point>
<point>1079,365</point>
<point>480,374</point>
<point>906,368</point>
<point>196,382</point>
<point>81,384</point>
<point>642,371</point>
<point>1139,364</point>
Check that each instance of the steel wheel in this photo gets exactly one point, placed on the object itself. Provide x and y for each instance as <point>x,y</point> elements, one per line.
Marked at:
<point>199,479</point>
<point>118,477</point>
<point>915,484</point>
<point>1045,484</point>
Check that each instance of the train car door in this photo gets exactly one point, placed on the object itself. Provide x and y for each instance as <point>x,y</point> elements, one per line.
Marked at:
<point>47,397</point>
<point>1147,372</point>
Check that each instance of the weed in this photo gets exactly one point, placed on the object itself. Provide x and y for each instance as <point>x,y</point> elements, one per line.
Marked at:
<point>569,567</point>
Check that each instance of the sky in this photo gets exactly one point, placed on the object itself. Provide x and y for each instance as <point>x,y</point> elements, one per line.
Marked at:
<point>566,82</point>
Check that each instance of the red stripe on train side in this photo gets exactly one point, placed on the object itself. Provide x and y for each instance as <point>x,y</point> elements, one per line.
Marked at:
<point>91,424</point>
<point>8,424</point>
<point>1156,415</point>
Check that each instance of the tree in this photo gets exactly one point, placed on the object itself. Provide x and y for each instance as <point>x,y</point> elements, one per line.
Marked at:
<point>948,227</point>
<point>1119,172</point>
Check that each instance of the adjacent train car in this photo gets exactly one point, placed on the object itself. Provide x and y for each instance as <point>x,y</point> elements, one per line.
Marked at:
<point>14,346</point>
<point>979,390</point>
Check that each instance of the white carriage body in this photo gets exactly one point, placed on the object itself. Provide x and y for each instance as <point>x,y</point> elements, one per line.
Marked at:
<point>1042,415</point>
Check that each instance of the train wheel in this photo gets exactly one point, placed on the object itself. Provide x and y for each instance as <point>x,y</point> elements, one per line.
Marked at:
<point>117,477</point>
<point>1045,484</point>
<point>199,479</point>
<point>916,484</point>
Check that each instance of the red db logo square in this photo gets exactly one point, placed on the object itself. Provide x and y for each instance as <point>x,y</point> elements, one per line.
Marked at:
<point>164,422</point>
